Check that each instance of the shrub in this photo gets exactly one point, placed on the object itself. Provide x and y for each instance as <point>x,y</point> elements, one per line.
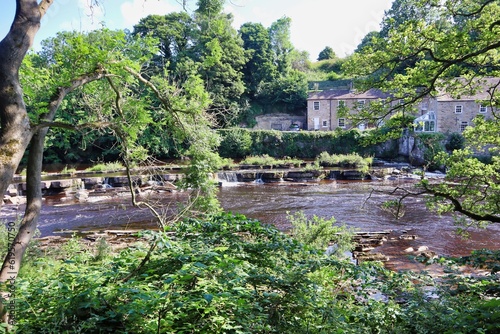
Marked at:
<point>345,160</point>
<point>260,160</point>
<point>106,167</point>
<point>320,232</point>
<point>455,142</point>
<point>303,144</point>
<point>231,274</point>
<point>236,143</point>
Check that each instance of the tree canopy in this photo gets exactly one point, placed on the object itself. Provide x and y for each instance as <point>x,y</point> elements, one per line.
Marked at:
<point>431,47</point>
<point>326,53</point>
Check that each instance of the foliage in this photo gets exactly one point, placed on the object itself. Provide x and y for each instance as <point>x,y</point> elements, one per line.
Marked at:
<point>300,144</point>
<point>432,144</point>
<point>455,142</point>
<point>326,53</point>
<point>435,47</point>
<point>321,233</point>
<point>312,167</point>
<point>394,207</point>
<point>235,143</point>
<point>263,160</point>
<point>240,277</point>
<point>106,167</point>
<point>259,67</point>
<point>175,35</point>
<point>344,160</point>
<point>391,129</point>
<point>231,274</point>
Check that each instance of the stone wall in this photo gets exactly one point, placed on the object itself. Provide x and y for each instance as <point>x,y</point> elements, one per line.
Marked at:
<point>280,122</point>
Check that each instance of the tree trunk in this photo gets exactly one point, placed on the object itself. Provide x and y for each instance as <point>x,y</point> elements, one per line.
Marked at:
<point>15,135</point>
<point>15,129</point>
<point>19,244</point>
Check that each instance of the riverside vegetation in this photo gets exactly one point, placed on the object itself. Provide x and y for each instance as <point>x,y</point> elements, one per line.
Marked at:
<point>231,274</point>
<point>160,91</point>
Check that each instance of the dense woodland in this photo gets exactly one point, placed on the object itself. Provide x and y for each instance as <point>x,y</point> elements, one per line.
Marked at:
<point>162,91</point>
<point>246,73</point>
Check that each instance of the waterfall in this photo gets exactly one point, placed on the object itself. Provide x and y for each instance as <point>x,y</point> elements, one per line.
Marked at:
<point>258,179</point>
<point>227,178</point>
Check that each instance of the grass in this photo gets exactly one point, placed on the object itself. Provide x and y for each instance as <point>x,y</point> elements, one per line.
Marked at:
<point>106,167</point>
<point>266,160</point>
<point>344,160</point>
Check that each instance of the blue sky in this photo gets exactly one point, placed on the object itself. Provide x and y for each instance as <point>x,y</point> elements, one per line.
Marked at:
<point>340,24</point>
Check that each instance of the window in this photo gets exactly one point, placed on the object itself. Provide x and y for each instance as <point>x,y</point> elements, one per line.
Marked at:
<point>483,109</point>
<point>316,105</point>
<point>463,125</point>
<point>429,126</point>
<point>341,122</point>
<point>458,109</point>
<point>341,103</point>
<point>426,122</point>
<point>325,124</point>
<point>360,104</point>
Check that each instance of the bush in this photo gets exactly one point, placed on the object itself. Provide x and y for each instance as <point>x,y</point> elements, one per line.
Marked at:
<point>231,274</point>
<point>455,142</point>
<point>106,167</point>
<point>303,144</point>
<point>344,160</point>
<point>226,275</point>
<point>320,232</point>
<point>236,143</point>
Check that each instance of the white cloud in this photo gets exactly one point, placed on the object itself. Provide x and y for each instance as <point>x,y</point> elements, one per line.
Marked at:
<point>133,11</point>
<point>87,16</point>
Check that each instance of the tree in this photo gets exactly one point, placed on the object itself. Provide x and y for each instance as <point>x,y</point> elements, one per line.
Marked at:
<point>326,53</point>
<point>367,40</point>
<point>175,33</point>
<point>258,68</point>
<point>446,46</point>
<point>220,57</point>
<point>96,56</point>
<point>281,46</point>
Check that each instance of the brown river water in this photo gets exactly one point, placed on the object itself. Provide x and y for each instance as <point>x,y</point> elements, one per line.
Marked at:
<point>346,201</point>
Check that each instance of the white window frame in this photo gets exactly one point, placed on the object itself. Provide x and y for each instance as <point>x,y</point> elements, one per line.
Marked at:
<point>341,122</point>
<point>324,124</point>
<point>360,104</point>
<point>463,126</point>
<point>316,105</point>
<point>483,109</point>
<point>341,103</point>
<point>459,109</point>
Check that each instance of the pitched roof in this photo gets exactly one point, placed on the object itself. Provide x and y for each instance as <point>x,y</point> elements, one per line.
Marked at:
<point>346,94</point>
<point>471,90</point>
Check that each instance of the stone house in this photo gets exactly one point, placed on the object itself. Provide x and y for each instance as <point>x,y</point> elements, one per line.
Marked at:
<point>447,114</point>
<point>323,107</point>
<point>440,113</point>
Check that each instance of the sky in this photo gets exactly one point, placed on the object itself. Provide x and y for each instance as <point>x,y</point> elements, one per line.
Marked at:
<point>339,24</point>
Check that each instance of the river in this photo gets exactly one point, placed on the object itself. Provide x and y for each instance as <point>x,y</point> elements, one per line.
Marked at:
<point>346,201</point>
